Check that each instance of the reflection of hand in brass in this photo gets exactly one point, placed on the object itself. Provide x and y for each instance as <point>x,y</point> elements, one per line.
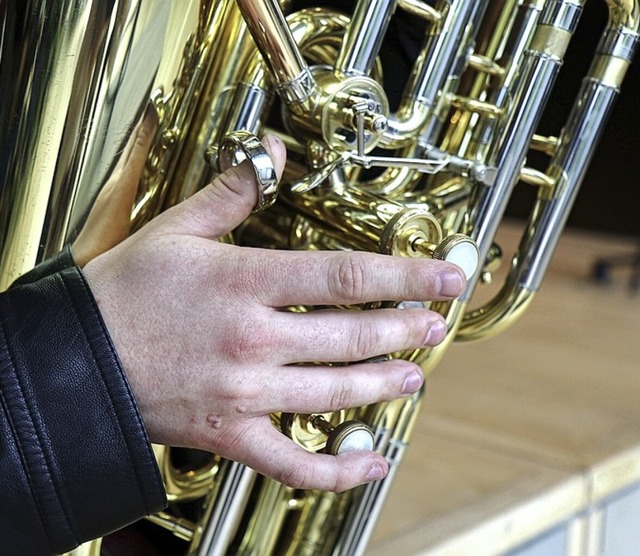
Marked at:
<point>109,221</point>
<point>210,353</point>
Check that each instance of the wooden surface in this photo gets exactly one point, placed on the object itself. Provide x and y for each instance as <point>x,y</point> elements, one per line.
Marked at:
<point>526,428</point>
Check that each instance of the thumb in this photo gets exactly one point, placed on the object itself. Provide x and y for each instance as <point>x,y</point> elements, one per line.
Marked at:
<point>227,201</point>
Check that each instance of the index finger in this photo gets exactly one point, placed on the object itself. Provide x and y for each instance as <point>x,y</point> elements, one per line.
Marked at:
<point>343,278</point>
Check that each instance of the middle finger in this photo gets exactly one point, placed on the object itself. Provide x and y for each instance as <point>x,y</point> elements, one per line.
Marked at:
<point>342,335</point>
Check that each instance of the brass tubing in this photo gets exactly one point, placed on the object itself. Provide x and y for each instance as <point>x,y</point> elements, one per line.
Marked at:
<point>210,79</point>
<point>439,63</point>
<point>420,9</point>
<point>486,65</point>
<point>363,512</point>
<point>511,58</point>
<point>257,81</point>
<point>547,145</point>
<point>362,221</point>
<point>227,506</point>
<point>268,27</point>
<point>497,315</point>
<point>535,177</point>
<point>181,528</point>
<point>63,131</point>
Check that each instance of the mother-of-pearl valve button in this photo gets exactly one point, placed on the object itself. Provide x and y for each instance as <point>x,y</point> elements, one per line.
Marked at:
<point>325,433</point>
<point>460,250</point>
<point>350,436</point>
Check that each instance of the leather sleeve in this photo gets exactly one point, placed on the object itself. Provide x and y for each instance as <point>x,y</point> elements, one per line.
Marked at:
<point>75,461</point>
<point>64,259</point>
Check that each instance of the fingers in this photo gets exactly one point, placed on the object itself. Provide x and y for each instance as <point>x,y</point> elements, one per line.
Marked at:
<point>226,201</point>
<point>324,389</point>
<point>336,336</point>
<point>337,278</point>
<point>271,453</point>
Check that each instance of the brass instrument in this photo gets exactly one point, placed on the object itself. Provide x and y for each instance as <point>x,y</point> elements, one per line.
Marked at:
<point>428,177</point>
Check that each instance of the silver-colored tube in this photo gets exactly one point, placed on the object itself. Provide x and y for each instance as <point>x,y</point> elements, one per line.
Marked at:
<point>362,42</point>
<point>568,167</point>
<point>566,171</point>
<point>440,62</point>
<point>362,517</point>
<point>229,505</point>
<point>492,201</point>
<point>541,66</point>
<point>250,104</point>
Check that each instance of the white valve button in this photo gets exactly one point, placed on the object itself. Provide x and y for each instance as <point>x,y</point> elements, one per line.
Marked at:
<point>459,250</point>
<point>349,436</point>
<point>410,305</point>
<point>357,440</point>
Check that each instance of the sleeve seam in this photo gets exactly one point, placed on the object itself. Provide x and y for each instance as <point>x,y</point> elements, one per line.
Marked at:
<point>45,464</point>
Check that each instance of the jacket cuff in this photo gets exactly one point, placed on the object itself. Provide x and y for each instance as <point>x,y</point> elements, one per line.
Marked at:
<point>64,259</point>
<point>75,433</point>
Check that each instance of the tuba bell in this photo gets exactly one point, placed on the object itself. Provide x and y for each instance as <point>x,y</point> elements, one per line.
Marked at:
<point>418,166</point>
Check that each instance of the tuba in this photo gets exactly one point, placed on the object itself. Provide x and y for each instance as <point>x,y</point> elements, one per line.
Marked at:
<point>420,163</point>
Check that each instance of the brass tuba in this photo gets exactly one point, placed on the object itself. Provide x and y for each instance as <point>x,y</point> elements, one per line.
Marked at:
<point>428,174</point>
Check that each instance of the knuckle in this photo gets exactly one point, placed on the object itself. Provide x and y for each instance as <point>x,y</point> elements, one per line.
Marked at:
<point>365,339</point>
<point>228,183</point>
<point>248,342</point>
<point>235,186</point>
<point>336,485</point>
<point>228,439</point>
<point>296,476</point>
<point>341,396</point>
<point>258,282</point>
<point>347,281</point>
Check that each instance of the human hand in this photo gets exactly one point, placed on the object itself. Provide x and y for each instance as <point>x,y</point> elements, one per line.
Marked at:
<point>210,354</point>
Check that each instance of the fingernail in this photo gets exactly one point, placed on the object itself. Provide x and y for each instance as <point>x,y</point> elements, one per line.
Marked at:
<point>272,142</point>
<point>412,382</point>
<point>451,283</point>
<point>375,473</point>
<point>436,333</point>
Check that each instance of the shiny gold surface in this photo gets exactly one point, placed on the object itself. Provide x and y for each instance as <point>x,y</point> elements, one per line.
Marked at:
<point>215,66</point>
<point>536,177</point>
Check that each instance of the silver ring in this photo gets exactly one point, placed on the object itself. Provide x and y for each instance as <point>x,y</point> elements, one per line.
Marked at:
<point>238,146</point>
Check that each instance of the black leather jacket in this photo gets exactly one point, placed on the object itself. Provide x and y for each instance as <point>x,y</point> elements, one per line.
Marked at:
<point>75,460</point>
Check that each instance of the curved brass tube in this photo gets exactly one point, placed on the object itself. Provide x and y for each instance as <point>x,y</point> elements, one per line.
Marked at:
<point>496,316</point>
